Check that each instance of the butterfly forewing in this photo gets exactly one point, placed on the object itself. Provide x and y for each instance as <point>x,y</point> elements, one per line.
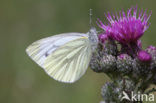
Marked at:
<point>40,49</point>
<point>64,57</point>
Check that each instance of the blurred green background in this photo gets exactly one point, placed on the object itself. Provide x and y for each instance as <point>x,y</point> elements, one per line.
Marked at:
<point>25,21</point>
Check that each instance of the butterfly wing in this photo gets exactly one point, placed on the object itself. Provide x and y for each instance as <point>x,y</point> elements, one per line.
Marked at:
<point>64,57</point>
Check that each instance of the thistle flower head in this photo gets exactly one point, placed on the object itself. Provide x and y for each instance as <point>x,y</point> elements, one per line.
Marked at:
<point>144,56</point>
<point>124,28</point>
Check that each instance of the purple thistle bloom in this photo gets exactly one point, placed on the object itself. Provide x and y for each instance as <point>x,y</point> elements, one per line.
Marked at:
<point>144,56</point>
<point>124,28</point>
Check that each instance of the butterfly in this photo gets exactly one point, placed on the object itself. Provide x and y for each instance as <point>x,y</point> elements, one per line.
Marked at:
<point>64,57</point>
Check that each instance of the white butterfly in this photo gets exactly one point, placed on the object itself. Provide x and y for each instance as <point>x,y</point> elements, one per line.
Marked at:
<point>64,57</point>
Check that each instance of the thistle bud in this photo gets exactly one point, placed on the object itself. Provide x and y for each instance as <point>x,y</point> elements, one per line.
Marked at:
<point>152,51</point>
<point>110,92</point>
<point>108,63</point>
<point>95,62</point>
<point>124,64</point>
<point>141,69</point>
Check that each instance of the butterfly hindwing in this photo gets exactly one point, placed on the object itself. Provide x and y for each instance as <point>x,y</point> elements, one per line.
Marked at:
<point>69,62</point>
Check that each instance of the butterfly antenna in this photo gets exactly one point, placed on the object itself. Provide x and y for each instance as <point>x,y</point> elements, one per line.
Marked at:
<point>90,15</point>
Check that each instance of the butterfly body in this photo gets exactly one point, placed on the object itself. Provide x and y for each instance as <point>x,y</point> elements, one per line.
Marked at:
<point>93,38</point>
<point>64,57</point>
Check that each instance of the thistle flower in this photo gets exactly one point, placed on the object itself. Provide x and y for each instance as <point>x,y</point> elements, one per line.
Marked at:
<point>143,56</point>
<point>121,57</point>
<point>126,29</point>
